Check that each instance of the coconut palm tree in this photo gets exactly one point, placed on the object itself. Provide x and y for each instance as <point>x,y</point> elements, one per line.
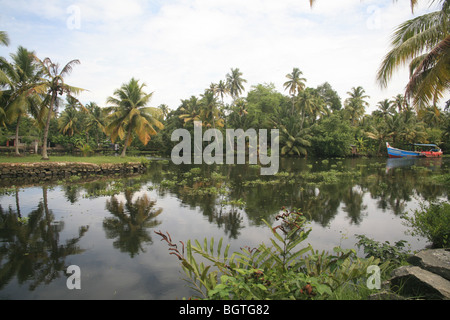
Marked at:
<point>385,108</point>
<point>130,114</point>
<point>23,76</point>
<point>310,104</point>
<point>51,85</point>
<point>190,110</point>
<point>355,105</point>
<point>70,122</point>
<point>294,139</point>
<point>130,222</point>
<point>295,84</point>
<point>399,102</point>
<point>95,120</point>
<point>379,133</point>
<point>210,113</point>
<point>424,43</point>
<point>67,122</point>
<point>235,83</point>
<point>431,115</point>
<point>222,90</point>
<point>4,39</point>
<point>164,110</point>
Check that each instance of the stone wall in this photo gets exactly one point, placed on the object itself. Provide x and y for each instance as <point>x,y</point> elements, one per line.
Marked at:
<point>52,170</point>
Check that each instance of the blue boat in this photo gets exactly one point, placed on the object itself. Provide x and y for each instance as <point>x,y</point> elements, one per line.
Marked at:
<point>434,152</point>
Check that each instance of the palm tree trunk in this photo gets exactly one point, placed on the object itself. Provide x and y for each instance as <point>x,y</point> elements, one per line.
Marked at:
<point>293,106</point>
<point>17,203</point>
<point>16,143</point>
<point>47,126</point>
<point>303,119</point>
<point>126,142</point>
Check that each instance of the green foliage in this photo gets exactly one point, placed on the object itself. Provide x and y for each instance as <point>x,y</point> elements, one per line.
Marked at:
<point>395,254</point>
<point>432,222</point>
<point>86,149</point>
<point>284,270</point>
<point>331,137</point>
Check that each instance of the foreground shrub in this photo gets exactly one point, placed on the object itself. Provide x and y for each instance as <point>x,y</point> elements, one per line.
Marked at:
<point>431,222</point>
<point>283,270</point>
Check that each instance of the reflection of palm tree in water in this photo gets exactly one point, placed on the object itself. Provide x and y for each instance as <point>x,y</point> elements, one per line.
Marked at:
<point>31,250</point>
<point>354,206</point>
<point>130,222</point>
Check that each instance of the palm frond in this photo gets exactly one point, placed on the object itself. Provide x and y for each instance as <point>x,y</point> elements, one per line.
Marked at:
<point>69,67</point>
<point>4,38</point>
<point>409,40</point>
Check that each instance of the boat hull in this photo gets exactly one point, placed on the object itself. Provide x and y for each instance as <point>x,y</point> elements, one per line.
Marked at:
<point>432,154</point>
<point>399,153</point>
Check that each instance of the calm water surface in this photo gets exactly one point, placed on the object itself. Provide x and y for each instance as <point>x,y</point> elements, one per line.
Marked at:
<point>106,226</point>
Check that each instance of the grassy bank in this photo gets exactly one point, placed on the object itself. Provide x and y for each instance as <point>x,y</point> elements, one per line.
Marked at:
<point>95,159</point>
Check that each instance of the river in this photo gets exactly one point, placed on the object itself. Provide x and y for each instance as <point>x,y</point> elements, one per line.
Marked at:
<point>106,226</point>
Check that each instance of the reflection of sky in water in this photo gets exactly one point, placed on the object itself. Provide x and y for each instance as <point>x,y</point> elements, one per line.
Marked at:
<point>109,272</point>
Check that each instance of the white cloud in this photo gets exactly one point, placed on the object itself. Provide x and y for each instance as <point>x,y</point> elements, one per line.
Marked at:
<point>179,47</point>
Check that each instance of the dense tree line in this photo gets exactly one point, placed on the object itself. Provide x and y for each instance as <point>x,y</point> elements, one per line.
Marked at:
<point>312,121</point>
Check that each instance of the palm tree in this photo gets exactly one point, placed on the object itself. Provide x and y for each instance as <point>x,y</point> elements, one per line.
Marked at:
<point>209,110</point>
<point>222,89</point>
<point>4,39</point>
<point>23,76</point>
<point>235,83</point>
<point>67,122</point>
<point>130,114</point>
<point>164,110</point>
<point>399,102</point>
<point>129,225</point>
<point>70,121</point>
<point>295,84</point>
<point>385,108</point>
<point>355,105</point>
<point>95,120</point>
<point>424,42</point>
<point>241,107</point>
<point>238,117</point>
<point>212,88</point>
<point>310,104</point>
<point>431,115</point>
<point>294,139</point>
<point>52,84</point>
<point>190,110</point>
<point>379,133</point>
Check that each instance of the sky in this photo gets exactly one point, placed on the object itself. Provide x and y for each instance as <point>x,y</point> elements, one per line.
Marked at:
<point>179,47</point>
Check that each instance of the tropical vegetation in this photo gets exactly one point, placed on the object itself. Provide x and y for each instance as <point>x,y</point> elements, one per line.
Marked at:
<point>312,120</point>
<point>285,269</point>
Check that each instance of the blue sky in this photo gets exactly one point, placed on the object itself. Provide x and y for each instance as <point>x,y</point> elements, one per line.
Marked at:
<point>179,47</point>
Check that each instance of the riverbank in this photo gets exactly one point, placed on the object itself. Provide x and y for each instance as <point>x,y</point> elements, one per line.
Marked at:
<point>32,167</point>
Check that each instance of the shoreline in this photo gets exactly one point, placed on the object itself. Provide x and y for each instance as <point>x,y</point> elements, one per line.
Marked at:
<point>62,169</point>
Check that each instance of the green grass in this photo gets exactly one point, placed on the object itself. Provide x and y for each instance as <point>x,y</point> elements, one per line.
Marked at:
<point>94,159</point>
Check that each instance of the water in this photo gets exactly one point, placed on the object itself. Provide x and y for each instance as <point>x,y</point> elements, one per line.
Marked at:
<point>107,226</point>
